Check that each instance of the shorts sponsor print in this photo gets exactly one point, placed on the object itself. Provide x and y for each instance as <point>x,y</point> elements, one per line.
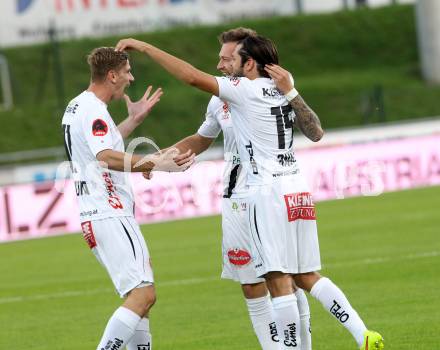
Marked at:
<point>238,263</point>
<point>282,220</point>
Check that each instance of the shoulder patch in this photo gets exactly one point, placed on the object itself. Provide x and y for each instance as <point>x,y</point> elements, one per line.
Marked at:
<point>99,127</point>
<point>235,80</point>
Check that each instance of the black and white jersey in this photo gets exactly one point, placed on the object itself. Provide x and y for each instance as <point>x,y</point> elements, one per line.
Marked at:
<point>218,118</point>
<point>89,129</point>
<point>262,121</point>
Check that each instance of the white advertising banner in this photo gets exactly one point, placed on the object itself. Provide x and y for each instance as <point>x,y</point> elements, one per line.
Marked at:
<point>39,210</point>
<point>27,21</point>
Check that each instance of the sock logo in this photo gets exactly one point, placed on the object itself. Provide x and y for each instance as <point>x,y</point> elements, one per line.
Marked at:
<point>143,346</point>
<point>273,332</point>
<point>290,335</point>
<point>340,315</point>
<point>113,344</point>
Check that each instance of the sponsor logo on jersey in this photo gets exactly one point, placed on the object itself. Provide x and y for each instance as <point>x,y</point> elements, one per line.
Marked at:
<point>271,92</point>
<point>88,213</point>
<point>252,161</point>
<point>239,257</point>
<point>235,159</point>
<point>235,80</point>
<point>226,111</point>
<point>99,127</point>
<point>286,159</point>
<point>300,206</point>
<point>88,234</point>
<point>236,207</point>
<point>113,199</point>
<point>72,108</point>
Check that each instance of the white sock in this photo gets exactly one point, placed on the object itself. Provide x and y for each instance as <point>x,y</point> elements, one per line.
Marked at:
<point>304,316</point>
<point>287,320</point>
<point>262,318</point>
<point>334,301</point>
<point>120,328</point>
<point>141,339</point>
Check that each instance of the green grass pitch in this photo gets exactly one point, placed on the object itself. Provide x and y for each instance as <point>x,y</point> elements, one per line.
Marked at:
<point>384,252</point>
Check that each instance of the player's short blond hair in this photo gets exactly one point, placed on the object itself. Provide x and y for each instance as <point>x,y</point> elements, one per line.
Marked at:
<point>235,35</point>
<point>104,59</point>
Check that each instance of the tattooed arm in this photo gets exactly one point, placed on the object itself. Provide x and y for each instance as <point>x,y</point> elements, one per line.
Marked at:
<point>306,119</point>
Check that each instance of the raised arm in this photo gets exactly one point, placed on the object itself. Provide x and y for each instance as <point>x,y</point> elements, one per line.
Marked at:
<point>175,66</point>
<point>306,119</point>
<point>138,111</point>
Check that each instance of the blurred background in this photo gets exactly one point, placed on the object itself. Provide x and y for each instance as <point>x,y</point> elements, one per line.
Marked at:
<point>370,69</point>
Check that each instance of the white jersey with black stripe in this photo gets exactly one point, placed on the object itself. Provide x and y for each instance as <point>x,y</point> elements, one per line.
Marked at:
<point>262,121</point>
<point>218,118</point>
<point>89,129</point>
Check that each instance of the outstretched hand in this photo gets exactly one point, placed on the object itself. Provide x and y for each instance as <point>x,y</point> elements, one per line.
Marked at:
<point>171,161</point>
<point>137,111</point>
<point>282,78</point>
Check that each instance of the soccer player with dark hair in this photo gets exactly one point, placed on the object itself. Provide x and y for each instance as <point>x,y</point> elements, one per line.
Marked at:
<point>238,264</point>
<point>95,147</point>
<point>282,218</point>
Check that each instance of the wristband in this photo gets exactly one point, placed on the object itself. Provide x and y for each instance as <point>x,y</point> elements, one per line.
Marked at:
<point>291,94</point>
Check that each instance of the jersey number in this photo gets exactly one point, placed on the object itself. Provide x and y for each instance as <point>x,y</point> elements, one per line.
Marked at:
<point>284,121</point>
<point>67,141</point>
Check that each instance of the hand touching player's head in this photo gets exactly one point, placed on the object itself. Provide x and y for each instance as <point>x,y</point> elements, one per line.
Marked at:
<point>111,69</point>
<point>102,60</point>
<point>254,53</point>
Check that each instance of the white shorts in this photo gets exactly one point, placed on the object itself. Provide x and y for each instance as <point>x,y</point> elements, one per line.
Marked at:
<point>119,246</point>
<point>283,227</point>
<point>238,264</point>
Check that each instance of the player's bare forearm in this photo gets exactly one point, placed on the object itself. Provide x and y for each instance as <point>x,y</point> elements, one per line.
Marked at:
<point>175,66</point>
<point>183,70</point>
<point>121,161</point>
<point>127,126</point>
<point>197,143</point>
<point>170,161</point>
<point>306,119</point>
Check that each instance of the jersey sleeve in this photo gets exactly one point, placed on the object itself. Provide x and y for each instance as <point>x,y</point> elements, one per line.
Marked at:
<point>230,88</point>
<point>97,132</point>
<point>210,127</point>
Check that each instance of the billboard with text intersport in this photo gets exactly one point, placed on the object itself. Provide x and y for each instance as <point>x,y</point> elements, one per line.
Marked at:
<point>39,210</point>
<point>27,21</point>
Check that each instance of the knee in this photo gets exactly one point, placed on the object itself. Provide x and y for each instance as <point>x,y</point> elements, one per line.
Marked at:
<point>144,305</point>
<point>306,280</point>
<point>279,284</point>
<point>150,300</point>
<point>252,291</point>
<point>141,300</point>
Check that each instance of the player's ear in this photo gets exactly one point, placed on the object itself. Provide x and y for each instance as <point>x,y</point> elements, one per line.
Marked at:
<point>250,64</point>
<point>111,76</point>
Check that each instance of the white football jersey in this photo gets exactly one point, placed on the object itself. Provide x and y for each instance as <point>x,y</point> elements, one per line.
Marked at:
<point>262,121</point>
<point>218,118</point>
<point>89,129</point>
